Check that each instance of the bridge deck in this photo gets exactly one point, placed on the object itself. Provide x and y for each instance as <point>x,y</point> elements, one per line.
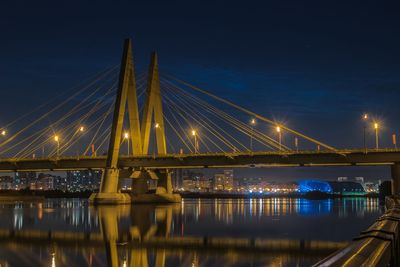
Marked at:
<point>242,159</point>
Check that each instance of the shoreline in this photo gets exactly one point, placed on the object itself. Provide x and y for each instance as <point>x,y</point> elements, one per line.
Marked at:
<point>28,194</point>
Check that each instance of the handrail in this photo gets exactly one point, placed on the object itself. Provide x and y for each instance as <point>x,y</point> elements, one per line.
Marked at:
<point>377,246</point>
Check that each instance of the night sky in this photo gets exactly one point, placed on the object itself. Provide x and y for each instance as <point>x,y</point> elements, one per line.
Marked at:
<point>316,65</point>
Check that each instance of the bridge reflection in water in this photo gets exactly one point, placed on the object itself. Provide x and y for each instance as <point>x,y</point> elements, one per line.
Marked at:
<point>148,235</point>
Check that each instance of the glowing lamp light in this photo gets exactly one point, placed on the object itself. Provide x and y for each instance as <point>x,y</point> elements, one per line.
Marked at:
<point>365,116</point>
<point>81,129</point>
<point>3,132</point>
<point>278,129</point>
<point>193,132</point>
<point>126,135</point>
<point>56,138</point>
<point>376,125</point>
<point>157,125</point>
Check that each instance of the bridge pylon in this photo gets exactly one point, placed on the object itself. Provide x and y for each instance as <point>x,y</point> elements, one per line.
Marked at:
<point>126,93</point>
<point>139,135</point>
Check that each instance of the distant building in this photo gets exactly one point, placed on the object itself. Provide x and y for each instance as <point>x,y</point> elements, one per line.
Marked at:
<point>43,182</point>
<point>189,185</point>
<point>205,184</point>
<point>83,180</point>
<point>347,188</point>
<point>23,180</point>
<point>359,180</point>
<point>191,181</point>
<point>6,182</point>
<point>224,182</point>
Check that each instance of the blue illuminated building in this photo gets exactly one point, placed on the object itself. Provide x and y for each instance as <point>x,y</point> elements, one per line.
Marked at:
<point>337,188</point>
<point>314,185</point>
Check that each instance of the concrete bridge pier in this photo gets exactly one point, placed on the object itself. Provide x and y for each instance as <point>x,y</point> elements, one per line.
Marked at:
<point>163,194</point>
<point>395,169</point>
<point>109,190</point>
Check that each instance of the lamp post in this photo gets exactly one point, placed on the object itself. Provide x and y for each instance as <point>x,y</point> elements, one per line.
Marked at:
<point>376,127</point>
<point>156,126</point>
<point>126,137</point>
<point>194,134</point>
<point>278,130</point>
<point>57,139</point>
<point>3,132</point>
<point>252,124</point>
<point>81,130</point>
<point>365,119</point>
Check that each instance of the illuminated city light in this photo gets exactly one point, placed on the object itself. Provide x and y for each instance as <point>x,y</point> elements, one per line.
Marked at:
<point>56,138</point>
<point>81,129</point>
<point>126,135</point>
<point>3,132</point>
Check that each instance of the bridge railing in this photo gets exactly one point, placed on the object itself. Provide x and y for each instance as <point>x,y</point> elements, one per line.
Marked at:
<point>376,246</point>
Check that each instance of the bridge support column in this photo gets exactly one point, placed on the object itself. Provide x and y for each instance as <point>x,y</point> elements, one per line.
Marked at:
<point>395,168</point>
<point>109,190</point>
<point>163,194</point>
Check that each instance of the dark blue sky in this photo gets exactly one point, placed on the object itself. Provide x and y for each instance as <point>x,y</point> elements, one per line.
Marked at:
<point>317,65</point>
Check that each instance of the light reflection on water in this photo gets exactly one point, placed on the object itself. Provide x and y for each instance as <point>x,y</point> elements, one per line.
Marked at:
<point>110,235</point>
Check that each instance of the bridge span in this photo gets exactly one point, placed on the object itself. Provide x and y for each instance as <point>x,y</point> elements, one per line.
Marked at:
<point>347,157</point>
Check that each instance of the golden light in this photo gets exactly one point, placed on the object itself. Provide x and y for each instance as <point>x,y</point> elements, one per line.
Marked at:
<point>3,132</point>
<point>56,138</point>
<point>278,129</point>
<point>365,116</point>
<point>193,132</point>
<point>81,129</point>
<point>157,125</point>
<point>376,126</point>
<point>126,135</point>
<point>253,121</point>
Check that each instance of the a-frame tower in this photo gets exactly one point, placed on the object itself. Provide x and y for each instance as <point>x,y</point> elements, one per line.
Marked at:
<point>139,136</point>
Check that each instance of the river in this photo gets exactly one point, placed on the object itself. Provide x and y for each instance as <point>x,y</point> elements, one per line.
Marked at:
<point>196,232</point>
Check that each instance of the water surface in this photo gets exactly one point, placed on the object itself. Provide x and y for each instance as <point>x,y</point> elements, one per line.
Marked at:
<point>197,232</point>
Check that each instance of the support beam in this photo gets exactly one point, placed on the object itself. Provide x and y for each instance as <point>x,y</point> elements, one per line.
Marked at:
<point>395,169</point>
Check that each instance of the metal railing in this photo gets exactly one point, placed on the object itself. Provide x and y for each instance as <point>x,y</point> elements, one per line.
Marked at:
<point>376,246</point>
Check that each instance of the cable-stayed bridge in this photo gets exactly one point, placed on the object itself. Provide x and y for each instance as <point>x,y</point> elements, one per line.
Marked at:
<point>142,125</point>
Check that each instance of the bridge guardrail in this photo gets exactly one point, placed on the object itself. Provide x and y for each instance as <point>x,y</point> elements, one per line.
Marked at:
<point>379,245</point>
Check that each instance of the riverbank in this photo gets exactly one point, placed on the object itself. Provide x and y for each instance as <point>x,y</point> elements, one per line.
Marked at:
<point>40,194</point>
<point>311,195</point>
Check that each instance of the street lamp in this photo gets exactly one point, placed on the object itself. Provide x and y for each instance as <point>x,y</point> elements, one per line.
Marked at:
<point>156,126</point>
<point>57,139</point>
<point>3,132</point>
<point>81,129</point>
<point>278,130</point>
<point>376,127</point>
<point>126,136</point>
<point>365,119</point>
<point>252,124</point>
<point>194,134</point>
